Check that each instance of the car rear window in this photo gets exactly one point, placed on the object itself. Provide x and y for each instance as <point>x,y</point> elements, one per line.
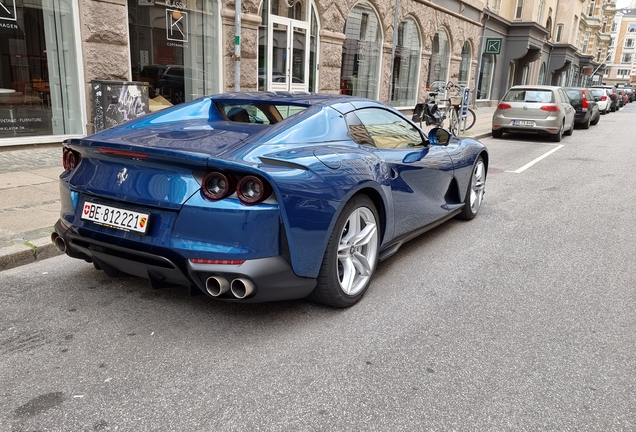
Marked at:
<point>574,95</point>
<point>529,95</point>
<point>258,112</point>
<point>598,92</point>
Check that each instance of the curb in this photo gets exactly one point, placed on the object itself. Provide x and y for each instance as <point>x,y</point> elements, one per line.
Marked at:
<point>27,252</point>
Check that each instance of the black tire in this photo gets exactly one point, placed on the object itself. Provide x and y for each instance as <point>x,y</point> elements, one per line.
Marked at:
<point>569,131</point>
<point>586,125</point>
<point>557,137</point>
<point>355,251</point>
<point>497,133</point>
<point>471,118</point>
<point>475,191</point>
<point>596,119</point>
<point>177,97</point>
<point>453,123</point>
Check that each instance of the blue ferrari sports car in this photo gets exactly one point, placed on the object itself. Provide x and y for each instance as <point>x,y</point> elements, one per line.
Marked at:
<point>263,196</point>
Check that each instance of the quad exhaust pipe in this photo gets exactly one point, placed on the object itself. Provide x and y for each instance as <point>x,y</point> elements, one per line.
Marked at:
<point>240,287</point>
<point>59,242</point>
<point>216,286</point>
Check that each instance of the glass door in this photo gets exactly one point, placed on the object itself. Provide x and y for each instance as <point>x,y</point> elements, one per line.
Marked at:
<point>288,55</point>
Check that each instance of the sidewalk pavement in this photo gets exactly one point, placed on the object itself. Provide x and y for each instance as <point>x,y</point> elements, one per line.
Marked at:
<point>30,202</point>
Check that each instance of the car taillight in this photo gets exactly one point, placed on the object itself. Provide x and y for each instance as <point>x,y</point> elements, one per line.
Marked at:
<point>217,185</point>
<point>550,108</point>
<point>604,97</point>
<point>251,189</point>
<point>70,159</point>
<point>504,106</point>
<point>216,261</point>
<point>584,105</point>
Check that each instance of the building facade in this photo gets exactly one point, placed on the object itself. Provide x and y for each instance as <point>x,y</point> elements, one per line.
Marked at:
<point>552,42</point>
<point>621,59</point>
<point>69,67</point>
<point>58,51</point>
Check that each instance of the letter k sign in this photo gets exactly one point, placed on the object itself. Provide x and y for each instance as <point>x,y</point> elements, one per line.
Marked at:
<point>7,10</point>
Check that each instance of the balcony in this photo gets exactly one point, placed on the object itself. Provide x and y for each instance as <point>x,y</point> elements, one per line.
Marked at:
<point>591,21</point>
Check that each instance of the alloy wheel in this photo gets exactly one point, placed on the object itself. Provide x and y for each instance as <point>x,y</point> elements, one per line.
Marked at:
<point>357,250</point>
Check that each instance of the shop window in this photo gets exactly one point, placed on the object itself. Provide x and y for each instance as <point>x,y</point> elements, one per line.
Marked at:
<point>406,64</point>
<point>486,74</point>
<point>361,53</point>
<point>541,80</point>
<point>439,61</point>
<point>39,84</point>
<point>174,47</point>
<point>464,65</point>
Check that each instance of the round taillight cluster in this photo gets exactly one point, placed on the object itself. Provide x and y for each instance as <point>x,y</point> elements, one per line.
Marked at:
<point>70,159</point>
<point>217,185</point>
<point>249,189</point>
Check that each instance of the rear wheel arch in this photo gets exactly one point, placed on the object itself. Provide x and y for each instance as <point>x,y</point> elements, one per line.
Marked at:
<point>379,204</point>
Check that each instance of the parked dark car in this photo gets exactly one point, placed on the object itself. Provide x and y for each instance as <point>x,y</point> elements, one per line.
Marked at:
<point>587,110</point>
<point>631,95</point>
<point>613,96</point>
<point>622,97</point>
<point>169,81</point>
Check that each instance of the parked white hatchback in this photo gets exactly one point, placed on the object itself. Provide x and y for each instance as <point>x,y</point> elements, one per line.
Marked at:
<point>603,99</point>
<point>534,109</point>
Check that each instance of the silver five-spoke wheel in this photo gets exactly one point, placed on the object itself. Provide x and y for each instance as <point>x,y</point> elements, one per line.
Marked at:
<point>351,255</point>
<point>357,251</point>
<point>477,186</point>
<point>476,190</point>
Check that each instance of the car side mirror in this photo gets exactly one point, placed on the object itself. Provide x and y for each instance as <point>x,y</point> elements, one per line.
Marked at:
<point>439,136</point>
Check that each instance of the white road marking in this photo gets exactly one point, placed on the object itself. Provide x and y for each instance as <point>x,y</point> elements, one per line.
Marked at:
<point>529,164</point>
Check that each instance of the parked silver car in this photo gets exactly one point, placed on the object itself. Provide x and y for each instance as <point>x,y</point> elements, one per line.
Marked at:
<point>534,109</point>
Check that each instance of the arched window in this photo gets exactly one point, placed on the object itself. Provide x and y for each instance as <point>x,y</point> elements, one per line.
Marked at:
<point>525,72</point>
<point>313,51</point>
<point>541,80</point>
<point>464,65</point>
<point>512,71</point>
<point>440,58</point>
<point>486,74</point>
<point>406,64</point>
<point>361,53</point>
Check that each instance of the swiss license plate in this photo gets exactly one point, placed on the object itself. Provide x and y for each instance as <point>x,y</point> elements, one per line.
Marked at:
<point>114,217</point>
<point>522,123</point>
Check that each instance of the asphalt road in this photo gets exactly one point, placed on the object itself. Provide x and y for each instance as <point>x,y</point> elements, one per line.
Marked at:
<point>522,319</point>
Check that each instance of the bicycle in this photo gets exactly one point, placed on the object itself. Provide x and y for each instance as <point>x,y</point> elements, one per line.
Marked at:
<point>430,113</point>
<point>456,102</point>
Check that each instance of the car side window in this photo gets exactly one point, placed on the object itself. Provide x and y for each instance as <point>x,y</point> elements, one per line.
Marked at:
<point>389,130</point>
<point>357,130</point>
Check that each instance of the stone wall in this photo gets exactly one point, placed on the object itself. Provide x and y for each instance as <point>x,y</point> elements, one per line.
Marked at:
<point>105,49</point>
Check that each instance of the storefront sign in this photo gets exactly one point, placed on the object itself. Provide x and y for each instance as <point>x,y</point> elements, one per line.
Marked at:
<point>176,25</point>
<point>7,10</point>
<point>493,46</point>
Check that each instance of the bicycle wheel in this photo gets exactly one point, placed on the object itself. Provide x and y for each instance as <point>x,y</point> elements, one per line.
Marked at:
<point>471,117</point>
<point>453,122</point>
